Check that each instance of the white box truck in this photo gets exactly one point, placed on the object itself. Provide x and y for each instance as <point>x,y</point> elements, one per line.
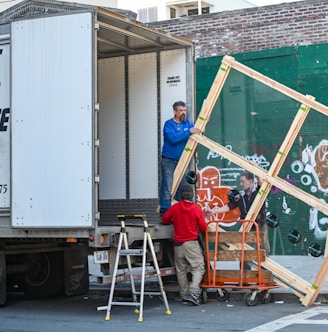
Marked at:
<point>84,93</point>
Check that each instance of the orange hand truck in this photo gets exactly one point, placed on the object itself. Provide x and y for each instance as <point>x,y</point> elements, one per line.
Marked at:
<point>243,246</point>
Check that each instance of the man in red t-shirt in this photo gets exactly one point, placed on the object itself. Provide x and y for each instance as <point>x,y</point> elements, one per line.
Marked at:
<point>188,220</point>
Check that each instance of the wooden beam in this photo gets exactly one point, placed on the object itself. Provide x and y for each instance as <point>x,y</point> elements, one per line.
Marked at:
<point>289,280</point>
<point>235,255</point>
<point>290,138</point>
<point>276,181</point>
<point>234,237</point>
<point>279,160</point>
<point>200,123</point>
<point>317,284</point>
<point>257,204</point>
<point>230,61</point>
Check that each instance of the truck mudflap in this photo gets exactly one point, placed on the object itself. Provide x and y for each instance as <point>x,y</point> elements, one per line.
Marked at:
<point>76,270</point>
<point>44,272</point>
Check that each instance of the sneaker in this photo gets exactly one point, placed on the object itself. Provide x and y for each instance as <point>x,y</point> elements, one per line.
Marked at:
<point>194,299</point>
<point>184,300</point>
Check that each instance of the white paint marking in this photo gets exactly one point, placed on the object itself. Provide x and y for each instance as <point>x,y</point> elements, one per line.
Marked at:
<point>301,318</point>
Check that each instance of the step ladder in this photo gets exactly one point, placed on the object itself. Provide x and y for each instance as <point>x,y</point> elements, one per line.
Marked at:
<point>126,251</point>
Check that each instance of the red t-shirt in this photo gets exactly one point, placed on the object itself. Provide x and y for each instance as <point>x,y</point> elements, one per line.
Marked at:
<point>187,219</point>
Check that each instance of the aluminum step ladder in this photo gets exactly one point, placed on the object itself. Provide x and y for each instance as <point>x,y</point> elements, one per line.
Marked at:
<point>126,251</point>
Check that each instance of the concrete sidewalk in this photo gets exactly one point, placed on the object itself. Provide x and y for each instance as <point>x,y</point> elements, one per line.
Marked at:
<point>305,267</point>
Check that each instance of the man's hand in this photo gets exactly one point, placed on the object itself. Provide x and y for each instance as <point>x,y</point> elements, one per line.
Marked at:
<point>194,130</point>
<point>208,214</point>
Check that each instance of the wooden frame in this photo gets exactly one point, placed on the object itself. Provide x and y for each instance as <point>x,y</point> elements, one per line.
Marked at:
<point>305,291</point>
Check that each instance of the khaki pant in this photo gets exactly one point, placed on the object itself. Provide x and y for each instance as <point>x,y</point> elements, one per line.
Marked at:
<point>189,255</point>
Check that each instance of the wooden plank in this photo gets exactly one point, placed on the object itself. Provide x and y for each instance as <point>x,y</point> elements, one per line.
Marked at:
<point>290,138</point>
<point>257,204</point>
<point>200,123</point>
<point>235,255</point>
<point>230,61</point>
<point>287,279</point>
<point>279,160</point>
<point>317,284</point>
<point>234,237</point>
<point>224,276</point>
<point>276,181</point>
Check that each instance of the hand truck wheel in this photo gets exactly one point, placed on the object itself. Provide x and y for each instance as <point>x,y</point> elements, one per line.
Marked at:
<point>251,299</point>
<point>265,297</point>
<point>204,295</point>
<point>222,295</point>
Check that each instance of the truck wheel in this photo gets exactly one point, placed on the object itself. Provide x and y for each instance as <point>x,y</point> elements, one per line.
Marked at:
<point>45,276</point>
<point>3,288</point>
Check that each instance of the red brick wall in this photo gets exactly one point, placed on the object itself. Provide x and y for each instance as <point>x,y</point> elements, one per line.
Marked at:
<point>253,29</point>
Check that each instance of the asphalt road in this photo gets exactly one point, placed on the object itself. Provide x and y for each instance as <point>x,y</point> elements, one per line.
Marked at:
<point>79,313</point>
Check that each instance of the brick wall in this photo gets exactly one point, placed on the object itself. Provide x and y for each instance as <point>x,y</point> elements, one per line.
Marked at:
<point>253,29</point>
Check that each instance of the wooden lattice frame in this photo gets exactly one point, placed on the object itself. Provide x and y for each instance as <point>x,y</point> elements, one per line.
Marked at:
<point>304,290</point>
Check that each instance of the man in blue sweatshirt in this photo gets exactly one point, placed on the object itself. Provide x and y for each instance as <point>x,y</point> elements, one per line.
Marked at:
<point>176,133</point>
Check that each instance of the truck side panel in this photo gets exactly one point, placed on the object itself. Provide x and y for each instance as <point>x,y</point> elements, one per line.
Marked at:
<point>112,129</point>
<point>4,127</point>
<point>143,170</point>
<point>52,121</point>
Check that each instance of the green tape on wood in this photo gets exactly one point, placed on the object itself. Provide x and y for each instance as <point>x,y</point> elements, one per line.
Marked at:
<point>261,192</point>
<point>315,287</point>
<point>223,69</point>
<point>281,153</point>
<point>304,108</point>
<point>188,149</point>
<point>201,118</point>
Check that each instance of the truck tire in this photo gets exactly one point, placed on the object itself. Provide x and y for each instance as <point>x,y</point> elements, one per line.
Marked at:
<point>45,277</point>
<point>3,288</point>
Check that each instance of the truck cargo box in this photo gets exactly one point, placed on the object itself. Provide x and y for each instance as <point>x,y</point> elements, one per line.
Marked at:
<point>84,93</point>
<point>84,103</point>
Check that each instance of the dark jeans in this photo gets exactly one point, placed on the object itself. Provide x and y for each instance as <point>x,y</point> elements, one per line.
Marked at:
<point>167,170</point>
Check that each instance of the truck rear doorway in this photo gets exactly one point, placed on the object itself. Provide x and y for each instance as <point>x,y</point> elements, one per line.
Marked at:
<point>141,73</point>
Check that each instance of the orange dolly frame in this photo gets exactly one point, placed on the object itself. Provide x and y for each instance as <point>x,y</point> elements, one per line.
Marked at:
<point>221,246</point>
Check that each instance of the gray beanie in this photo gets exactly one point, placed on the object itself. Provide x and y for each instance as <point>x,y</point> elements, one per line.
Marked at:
<point>187,193</point>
